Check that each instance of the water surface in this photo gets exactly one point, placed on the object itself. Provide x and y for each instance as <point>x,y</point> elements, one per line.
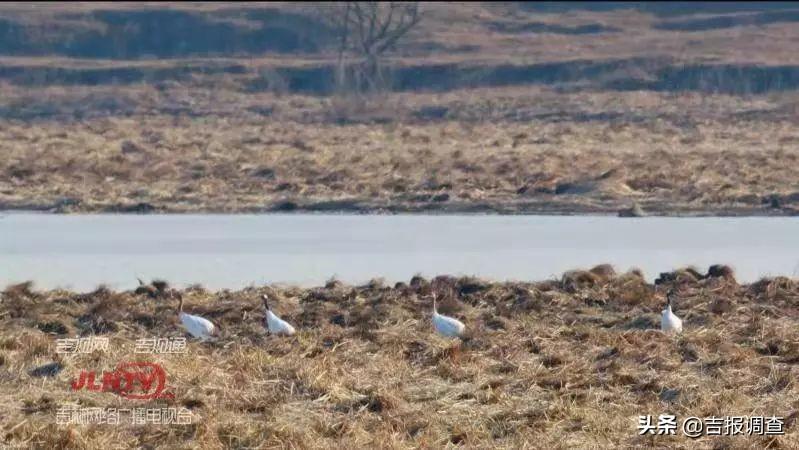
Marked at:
<point>232,251</point>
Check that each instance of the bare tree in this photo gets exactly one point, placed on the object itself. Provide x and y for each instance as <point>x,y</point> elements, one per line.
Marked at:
<point>365,31</point>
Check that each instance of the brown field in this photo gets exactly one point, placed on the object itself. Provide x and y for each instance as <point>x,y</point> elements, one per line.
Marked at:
<point>567,363</point>
<point>499,149</point>
<point>541,112</point>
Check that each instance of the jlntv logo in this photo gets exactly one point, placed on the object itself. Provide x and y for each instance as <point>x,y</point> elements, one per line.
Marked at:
<point>133,380</point>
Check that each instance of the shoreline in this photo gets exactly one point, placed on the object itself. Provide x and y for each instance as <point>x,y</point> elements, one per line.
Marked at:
<point>354,207</point>
<point>569,281</point>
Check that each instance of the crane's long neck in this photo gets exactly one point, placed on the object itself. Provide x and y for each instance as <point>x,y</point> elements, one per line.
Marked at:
<point>266,302</point>
<point>435,307</point>
<point>180,305</point>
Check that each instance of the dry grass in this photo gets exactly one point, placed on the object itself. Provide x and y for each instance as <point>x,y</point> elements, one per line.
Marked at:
<point>244,140</point>
<point>554,364</point>
<point>503,149</point>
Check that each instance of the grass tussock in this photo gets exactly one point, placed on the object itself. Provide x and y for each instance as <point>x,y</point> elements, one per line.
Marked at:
<point>567,363</point>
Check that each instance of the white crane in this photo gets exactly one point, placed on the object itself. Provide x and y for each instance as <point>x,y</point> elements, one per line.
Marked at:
<point>197,326</point>
<point>275,324</point>
<point>445,325</point>
<point>669,322</point>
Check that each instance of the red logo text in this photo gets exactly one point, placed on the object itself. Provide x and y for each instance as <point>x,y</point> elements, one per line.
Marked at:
<point>134,380</point>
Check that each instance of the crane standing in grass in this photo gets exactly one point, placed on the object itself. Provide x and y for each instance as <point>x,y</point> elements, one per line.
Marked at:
<point>199,327</point>
<point>445,325</point>
<point>275,324</point>
<point>669,322</point>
